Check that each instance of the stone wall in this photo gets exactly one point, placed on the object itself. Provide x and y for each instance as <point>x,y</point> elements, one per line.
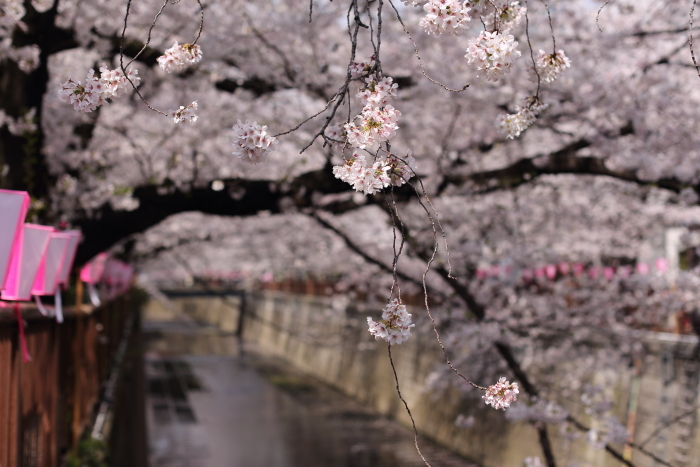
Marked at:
<point>329,341</point>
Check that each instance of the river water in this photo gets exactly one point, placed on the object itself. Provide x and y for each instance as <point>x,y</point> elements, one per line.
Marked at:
<point>209,404</point>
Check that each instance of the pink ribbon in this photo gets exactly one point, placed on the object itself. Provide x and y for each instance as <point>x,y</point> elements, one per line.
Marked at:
<point>22,341</point>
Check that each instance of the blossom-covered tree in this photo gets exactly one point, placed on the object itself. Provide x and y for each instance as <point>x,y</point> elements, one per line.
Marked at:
<point>524,136</point>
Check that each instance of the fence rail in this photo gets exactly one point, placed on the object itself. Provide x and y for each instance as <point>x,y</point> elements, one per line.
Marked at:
<point>46,404</point>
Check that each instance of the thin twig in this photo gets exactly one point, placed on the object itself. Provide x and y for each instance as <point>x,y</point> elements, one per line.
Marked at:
<point>420,62</point>
<point>666,425</point>
<point>201,22</point>
<point>532,54</point>
<point>425,289</point>
<point>148,38</point>
<point>551,27</point>
<point>328,104</point>
<point>121,53</point>
<point>398,391</point>
<point>690,38</point>
<point>597,17</point>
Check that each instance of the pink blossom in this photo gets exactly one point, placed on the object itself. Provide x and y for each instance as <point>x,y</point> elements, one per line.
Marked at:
<point>178,57</point>
<point>251,142</point>
<point>501,394</point>
<point>395,326</point>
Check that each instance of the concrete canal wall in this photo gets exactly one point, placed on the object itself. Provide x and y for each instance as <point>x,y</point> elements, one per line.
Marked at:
<point>328,339</point>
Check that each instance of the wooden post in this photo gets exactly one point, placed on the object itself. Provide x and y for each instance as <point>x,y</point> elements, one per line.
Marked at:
<point>77,365</point>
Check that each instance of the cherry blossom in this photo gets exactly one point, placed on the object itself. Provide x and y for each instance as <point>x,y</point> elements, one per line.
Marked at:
<point>374,126</point>
<point>378,92</point>
<point>178,57</point>
<point>492,54</point>
<point>550,66</point>
<point>84,97</point>
<point>363,178</point>
<point>400,170</point>
<point>27,57</point>
<point>501,394</point>
<point>184,113</point>
<point>507,16</point>
<point>511,125</point>
<point>395,326</point>
<point>251,142</point>
<point>445,16</point>
<point>116,84</point>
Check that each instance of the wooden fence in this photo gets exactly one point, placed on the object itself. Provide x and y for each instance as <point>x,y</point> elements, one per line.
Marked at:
<point>46,404</point>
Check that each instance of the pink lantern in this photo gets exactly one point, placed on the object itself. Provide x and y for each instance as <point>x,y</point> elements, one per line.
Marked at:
<point>539,273</point>
<point>551,271</point>
<point>481,274</point>
<point>68,260</point>
<point>578,269</point>
<point>13,209</point>
<point>47,278</point>
<point>527,275</point>
<point>624,271</point>
<point>25,263</point>
<point>593,272</point>
<point>643,268</point>
<point>564,268</point>
<point>93,271</point>
<point>661,265</point>
<point>495,270</point>
<point>608,273</point>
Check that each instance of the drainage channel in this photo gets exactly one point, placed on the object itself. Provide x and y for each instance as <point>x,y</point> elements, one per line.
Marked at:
<point>230,410</point>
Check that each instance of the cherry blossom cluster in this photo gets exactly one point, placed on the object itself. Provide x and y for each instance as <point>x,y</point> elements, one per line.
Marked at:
<point>87,96</point>
<point>116,84</point>
<point>22,125</point>
<point>374,125</point>
<point>13,12</point>
<point>549,66</point>
<point>178,57</point>
<point>378,91</point>
<point>501,394</point>
<point>511,125</point>
<point>381,174</point>
<point>445,16</point>
<point>360,69</point>
<point>507,16</point>
<point>363,178</point>
<point>492,54</point>
<point>27,57</point>
<point>395,326</point>
<point>400,170</point>
<point>184,113</point>
<point>336,135</point>
<point>251,142</point>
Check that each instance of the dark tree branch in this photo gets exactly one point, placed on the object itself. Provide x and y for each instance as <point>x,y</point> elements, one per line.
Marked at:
<point>241,197</point>
<point>563,161</point>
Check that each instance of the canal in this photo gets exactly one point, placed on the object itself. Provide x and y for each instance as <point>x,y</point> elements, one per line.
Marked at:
<point>212,402</point>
